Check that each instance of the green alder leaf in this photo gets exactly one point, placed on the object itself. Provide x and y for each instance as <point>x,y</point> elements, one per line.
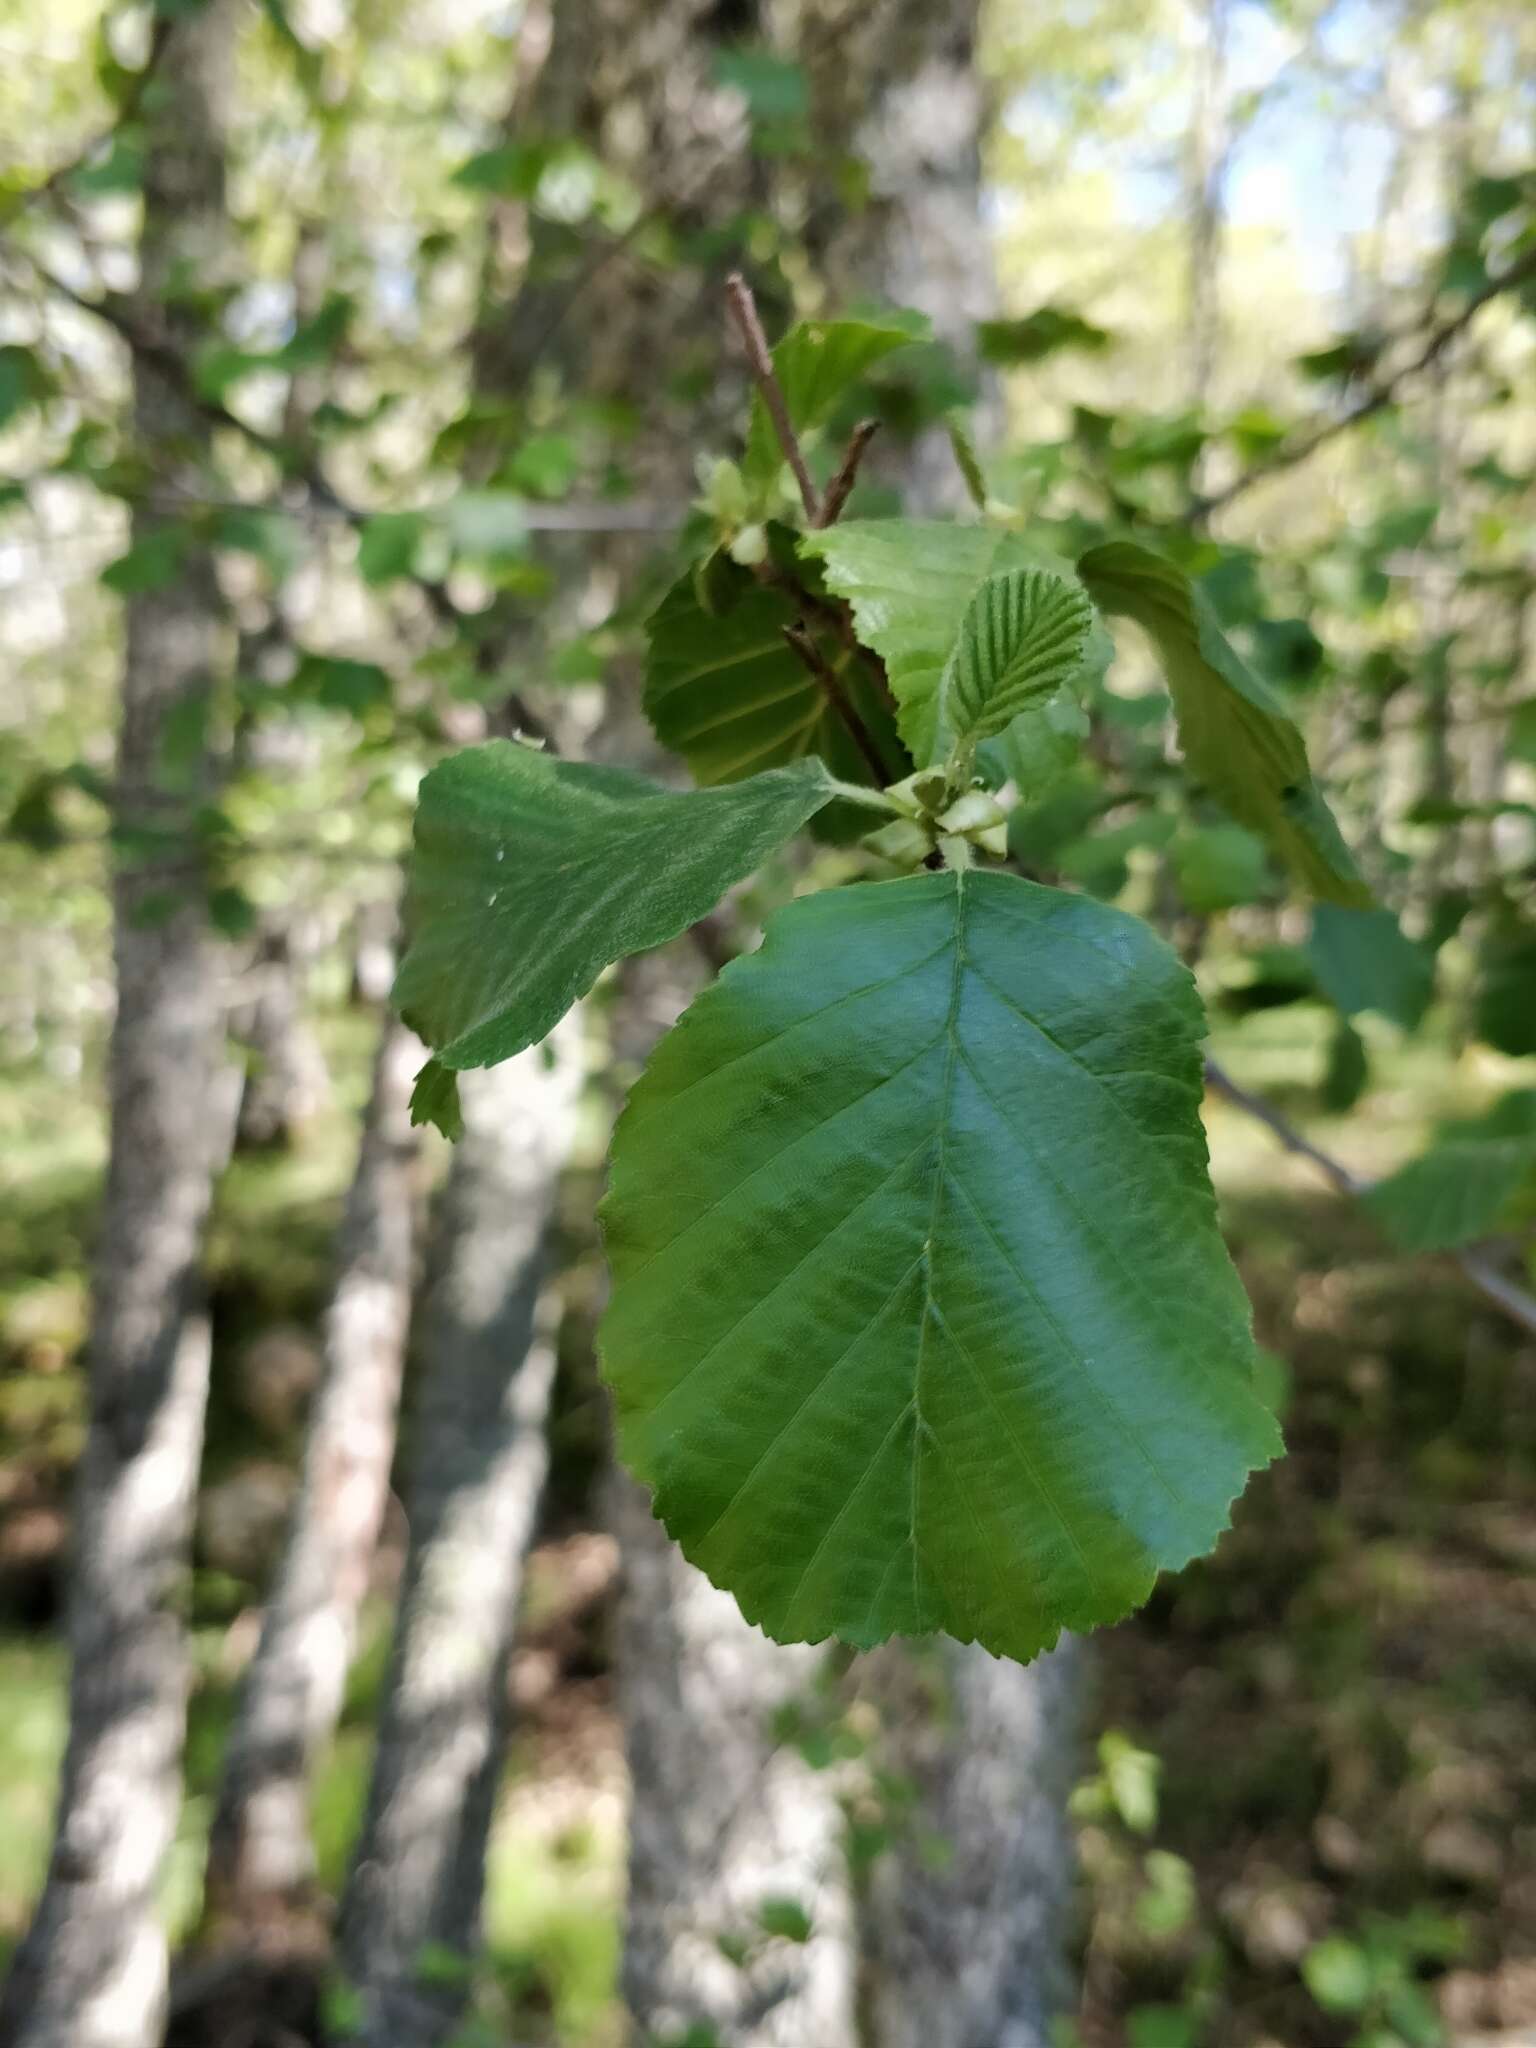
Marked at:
<point>435,1100</point>
<point>910,582</point>
<point>530,875</point>
<point>1365,961</point>
<point>724,689</point>
<point>816,362</point>
<point>1236,734</point>
<point>1459,1189</point>
<point>921,1319</point>
<point>1504,1007</point>
<point>1023,637</point>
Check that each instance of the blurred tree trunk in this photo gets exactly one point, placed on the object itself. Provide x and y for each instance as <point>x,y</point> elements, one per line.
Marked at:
<point>1205,196</point>
<point>285,1077</point>
<point>963,1917</point>
<point>260,1856</point>
<point>727,1821</point>
<point>477,1463</point>
<point>91,1972</point>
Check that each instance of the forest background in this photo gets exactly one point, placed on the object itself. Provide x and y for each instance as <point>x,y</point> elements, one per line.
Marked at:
<point>364,378</point>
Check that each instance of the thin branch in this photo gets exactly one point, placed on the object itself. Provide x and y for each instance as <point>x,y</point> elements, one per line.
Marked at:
<point>1381,394</point>
<point>743,310</point>
<point>841,487</point>
<point>1476,1263</point>
<point>826,676</point>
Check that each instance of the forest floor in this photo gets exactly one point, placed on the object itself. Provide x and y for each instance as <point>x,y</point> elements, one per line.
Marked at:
<point>1311,1818</point>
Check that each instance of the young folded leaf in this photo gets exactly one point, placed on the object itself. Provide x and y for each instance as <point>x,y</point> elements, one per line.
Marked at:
<point>1236,734</point>
<point>815,364</point>
<point>724,689</point>
<point>530,875</point>
<point>921,1319</point>
<point>1023,637</point>
<point>910,582</point>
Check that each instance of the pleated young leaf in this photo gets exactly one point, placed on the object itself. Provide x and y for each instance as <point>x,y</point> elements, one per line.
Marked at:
<point>920,1318</point>
<point>1023,637</point>
<point>530,875</point>
<point>910,582</point>
<point>1236,734</point>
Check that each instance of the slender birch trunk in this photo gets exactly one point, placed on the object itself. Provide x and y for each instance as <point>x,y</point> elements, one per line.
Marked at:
<point>962,1919</point>
<point>478,1459</point>
<point>260,1856</point>
<point>727,1822</point>
<point>92,1970</point>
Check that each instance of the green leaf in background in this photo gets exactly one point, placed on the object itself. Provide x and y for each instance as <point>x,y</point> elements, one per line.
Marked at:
<point>153,561</point>
<point>1458,1190</point>
<point>387,545</point>
<point>1338,1974</point>
<point>1036,335</point>
<point>1348,1068</point>
<point>910,582</point>
<point>724,689</point>
<point>1022,639</point>
<point>1219,866</point>
<point>23,381</point>
<point>921,1319</point>
<point>530,875</point>
<point>816,363</point>
<point>435,1100</point>
<point>1504,1008</point>
<point>1363,960</point>
<point>1236,734</point>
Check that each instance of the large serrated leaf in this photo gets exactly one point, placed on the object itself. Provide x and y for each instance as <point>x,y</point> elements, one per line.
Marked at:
<point>530,875</point>
<point>921,1319</point>
<point>816,362</point>
<point>1236,734</point>
<point>1022,640</point>
<point>910,582</point>
<point>724,689</point>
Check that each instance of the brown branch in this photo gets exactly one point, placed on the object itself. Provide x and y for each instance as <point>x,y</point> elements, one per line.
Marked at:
<point>826,676</point>
<point>743,310</point>
<point>841,487</point>
<point>1475,1262</point>
<point>1382,393</point>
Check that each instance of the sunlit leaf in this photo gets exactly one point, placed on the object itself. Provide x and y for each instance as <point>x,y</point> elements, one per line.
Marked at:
<point>1236,734</point>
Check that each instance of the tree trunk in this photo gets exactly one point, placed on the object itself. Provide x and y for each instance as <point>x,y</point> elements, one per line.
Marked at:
<point>1205,182</point>
<point>92,1970</point>
<point>726,1820</point>
<point>963,1916</point>
<point>260,1857</point>
<point>478,1459</point>
<point>966,1916</point>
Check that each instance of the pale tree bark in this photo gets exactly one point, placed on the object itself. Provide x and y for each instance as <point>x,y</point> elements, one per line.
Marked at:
<point>726,1820</point>
<point>963,1918</point>
<point>1209,147</point>
<point>477,1460</point>
<point>260,1855</point>
<point>92,1970</point>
